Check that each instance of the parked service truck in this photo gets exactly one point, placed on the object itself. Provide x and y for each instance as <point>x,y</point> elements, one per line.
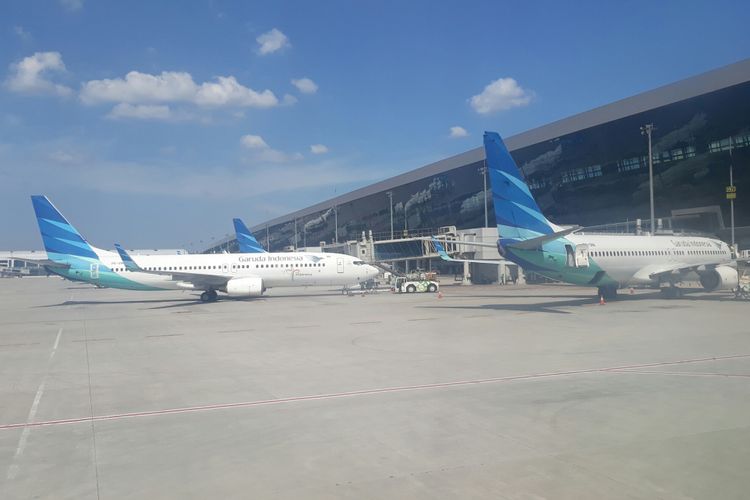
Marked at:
<point>411,285</point>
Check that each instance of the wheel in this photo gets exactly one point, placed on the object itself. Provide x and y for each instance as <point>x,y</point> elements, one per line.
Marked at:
<point>213,296</point>
<point>608,292</point>
<point>432,288</point>
<point>411,289</point>
<point>205,297</point>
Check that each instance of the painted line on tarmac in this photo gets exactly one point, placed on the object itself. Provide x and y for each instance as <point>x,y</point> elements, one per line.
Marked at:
<point>363,392</point>
<point>164,335</point>
<point>684,374</point>
<point>19,345</point>
<point>13,469</point>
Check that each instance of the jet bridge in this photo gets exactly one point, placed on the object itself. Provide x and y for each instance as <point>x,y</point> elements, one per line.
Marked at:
<point>415,251</point>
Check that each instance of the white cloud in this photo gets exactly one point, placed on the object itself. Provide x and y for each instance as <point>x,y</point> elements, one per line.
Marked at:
<point>253,142</point>
<point>28,75</point>
<point>173,86</point>
<point>137,87</point>
<point>288,100</point>
<point>305,85</point>
<point>261,152</point>
<point>72,5</point>
<point>318,149</point>
<point>500,95</point>
<point>458,132</point>
<point>272,41</point>
<point>227,91</point>
<point>21,33</point>
<point>141,111</point>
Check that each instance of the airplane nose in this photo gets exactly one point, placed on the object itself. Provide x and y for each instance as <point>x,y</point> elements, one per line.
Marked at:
<point>372,271</point>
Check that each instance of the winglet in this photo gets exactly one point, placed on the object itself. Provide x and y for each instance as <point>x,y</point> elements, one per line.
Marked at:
<point>440,249</point>
<point>127,260</point>
<point>245,239</point>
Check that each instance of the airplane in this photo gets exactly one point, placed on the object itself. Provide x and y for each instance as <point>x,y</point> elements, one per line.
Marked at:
<point>608,262</point>
<point>237,275</point>
<point>245,239</point>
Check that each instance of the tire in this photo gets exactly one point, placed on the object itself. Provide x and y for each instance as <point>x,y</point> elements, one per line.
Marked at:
<point>411,289</point>
<point>205,297</point>
<point>432,288</point>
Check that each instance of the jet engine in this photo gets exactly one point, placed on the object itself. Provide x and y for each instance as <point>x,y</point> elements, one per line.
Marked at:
<point>719,278</point>
<point>245,287</point>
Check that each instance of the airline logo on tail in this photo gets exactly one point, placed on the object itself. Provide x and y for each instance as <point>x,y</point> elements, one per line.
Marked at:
<point>247,242</point>
<point>517,213</point>
<point>61,240</point>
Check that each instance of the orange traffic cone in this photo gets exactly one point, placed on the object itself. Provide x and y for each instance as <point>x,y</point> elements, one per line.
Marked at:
<point>601,300</point>
<point>440,295</point>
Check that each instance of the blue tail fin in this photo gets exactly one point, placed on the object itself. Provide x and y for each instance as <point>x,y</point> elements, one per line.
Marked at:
<point>127,261</point>
<point>516,212</point>
<point>248,243</point>
<point>60,238</point>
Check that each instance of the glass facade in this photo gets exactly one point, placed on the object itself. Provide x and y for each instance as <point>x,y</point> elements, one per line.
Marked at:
<point>590,177</point>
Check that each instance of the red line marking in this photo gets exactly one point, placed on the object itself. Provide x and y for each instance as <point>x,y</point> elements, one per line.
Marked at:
<point>363,392</point>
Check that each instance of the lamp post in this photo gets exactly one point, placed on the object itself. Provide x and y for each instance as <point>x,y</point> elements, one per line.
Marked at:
<point>336,224</point>
<point>646,130</point>
<point>733,192</point>
<point>389,194</point>
<point>295,234</point>
<point>483,171</point>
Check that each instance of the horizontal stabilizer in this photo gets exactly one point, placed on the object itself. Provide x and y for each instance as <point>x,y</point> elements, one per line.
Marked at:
<point>537,242</point>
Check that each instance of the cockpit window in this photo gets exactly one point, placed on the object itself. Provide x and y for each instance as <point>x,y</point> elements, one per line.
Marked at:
<point>358,263</point>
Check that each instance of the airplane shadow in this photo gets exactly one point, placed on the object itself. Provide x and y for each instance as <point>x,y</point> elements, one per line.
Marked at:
<point>550,307</point>
<point>179,302</point>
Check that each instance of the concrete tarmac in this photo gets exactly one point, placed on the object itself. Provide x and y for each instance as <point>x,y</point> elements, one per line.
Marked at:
<point>515,392</point>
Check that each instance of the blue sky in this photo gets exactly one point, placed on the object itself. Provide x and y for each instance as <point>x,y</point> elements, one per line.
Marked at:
<point>154,123</point>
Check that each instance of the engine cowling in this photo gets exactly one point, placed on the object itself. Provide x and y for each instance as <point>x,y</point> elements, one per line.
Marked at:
<point>245,287</point>
<point>719,278</point>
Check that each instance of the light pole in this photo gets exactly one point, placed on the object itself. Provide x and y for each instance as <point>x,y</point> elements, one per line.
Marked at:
<point>268,240</point>
<point>646,130</point>
<point>733,192</point>
<point>295,234</point>
<point>389,194</point>
<point>483,171</point>
<point>336,224</point>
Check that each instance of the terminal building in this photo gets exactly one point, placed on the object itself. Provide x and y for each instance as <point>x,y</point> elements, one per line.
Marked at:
<point>590,169</point>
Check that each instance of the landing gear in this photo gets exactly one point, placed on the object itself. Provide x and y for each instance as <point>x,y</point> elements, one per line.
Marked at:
<point>209,296</point>
<point>608,292</point>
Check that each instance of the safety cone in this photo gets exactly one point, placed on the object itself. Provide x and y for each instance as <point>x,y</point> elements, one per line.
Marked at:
<point>440,295</point>
<point>601,300</point>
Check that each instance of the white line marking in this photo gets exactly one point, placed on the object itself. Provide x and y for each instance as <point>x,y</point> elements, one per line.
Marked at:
<point>14,468</point>
<point>57,343</point>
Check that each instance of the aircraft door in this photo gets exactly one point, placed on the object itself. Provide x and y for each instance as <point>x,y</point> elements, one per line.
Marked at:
<point>578,256</point>
<point>582,256</point>
<point>570,257</point>
<point>340,265</point>
<point>94,271</point>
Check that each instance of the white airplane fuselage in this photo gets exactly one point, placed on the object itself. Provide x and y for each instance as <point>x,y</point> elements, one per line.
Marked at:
<point>275,269</point>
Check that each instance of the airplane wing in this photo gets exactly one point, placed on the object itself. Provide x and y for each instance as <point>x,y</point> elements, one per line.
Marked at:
<point>200,281</point>
<point>657,271</point>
